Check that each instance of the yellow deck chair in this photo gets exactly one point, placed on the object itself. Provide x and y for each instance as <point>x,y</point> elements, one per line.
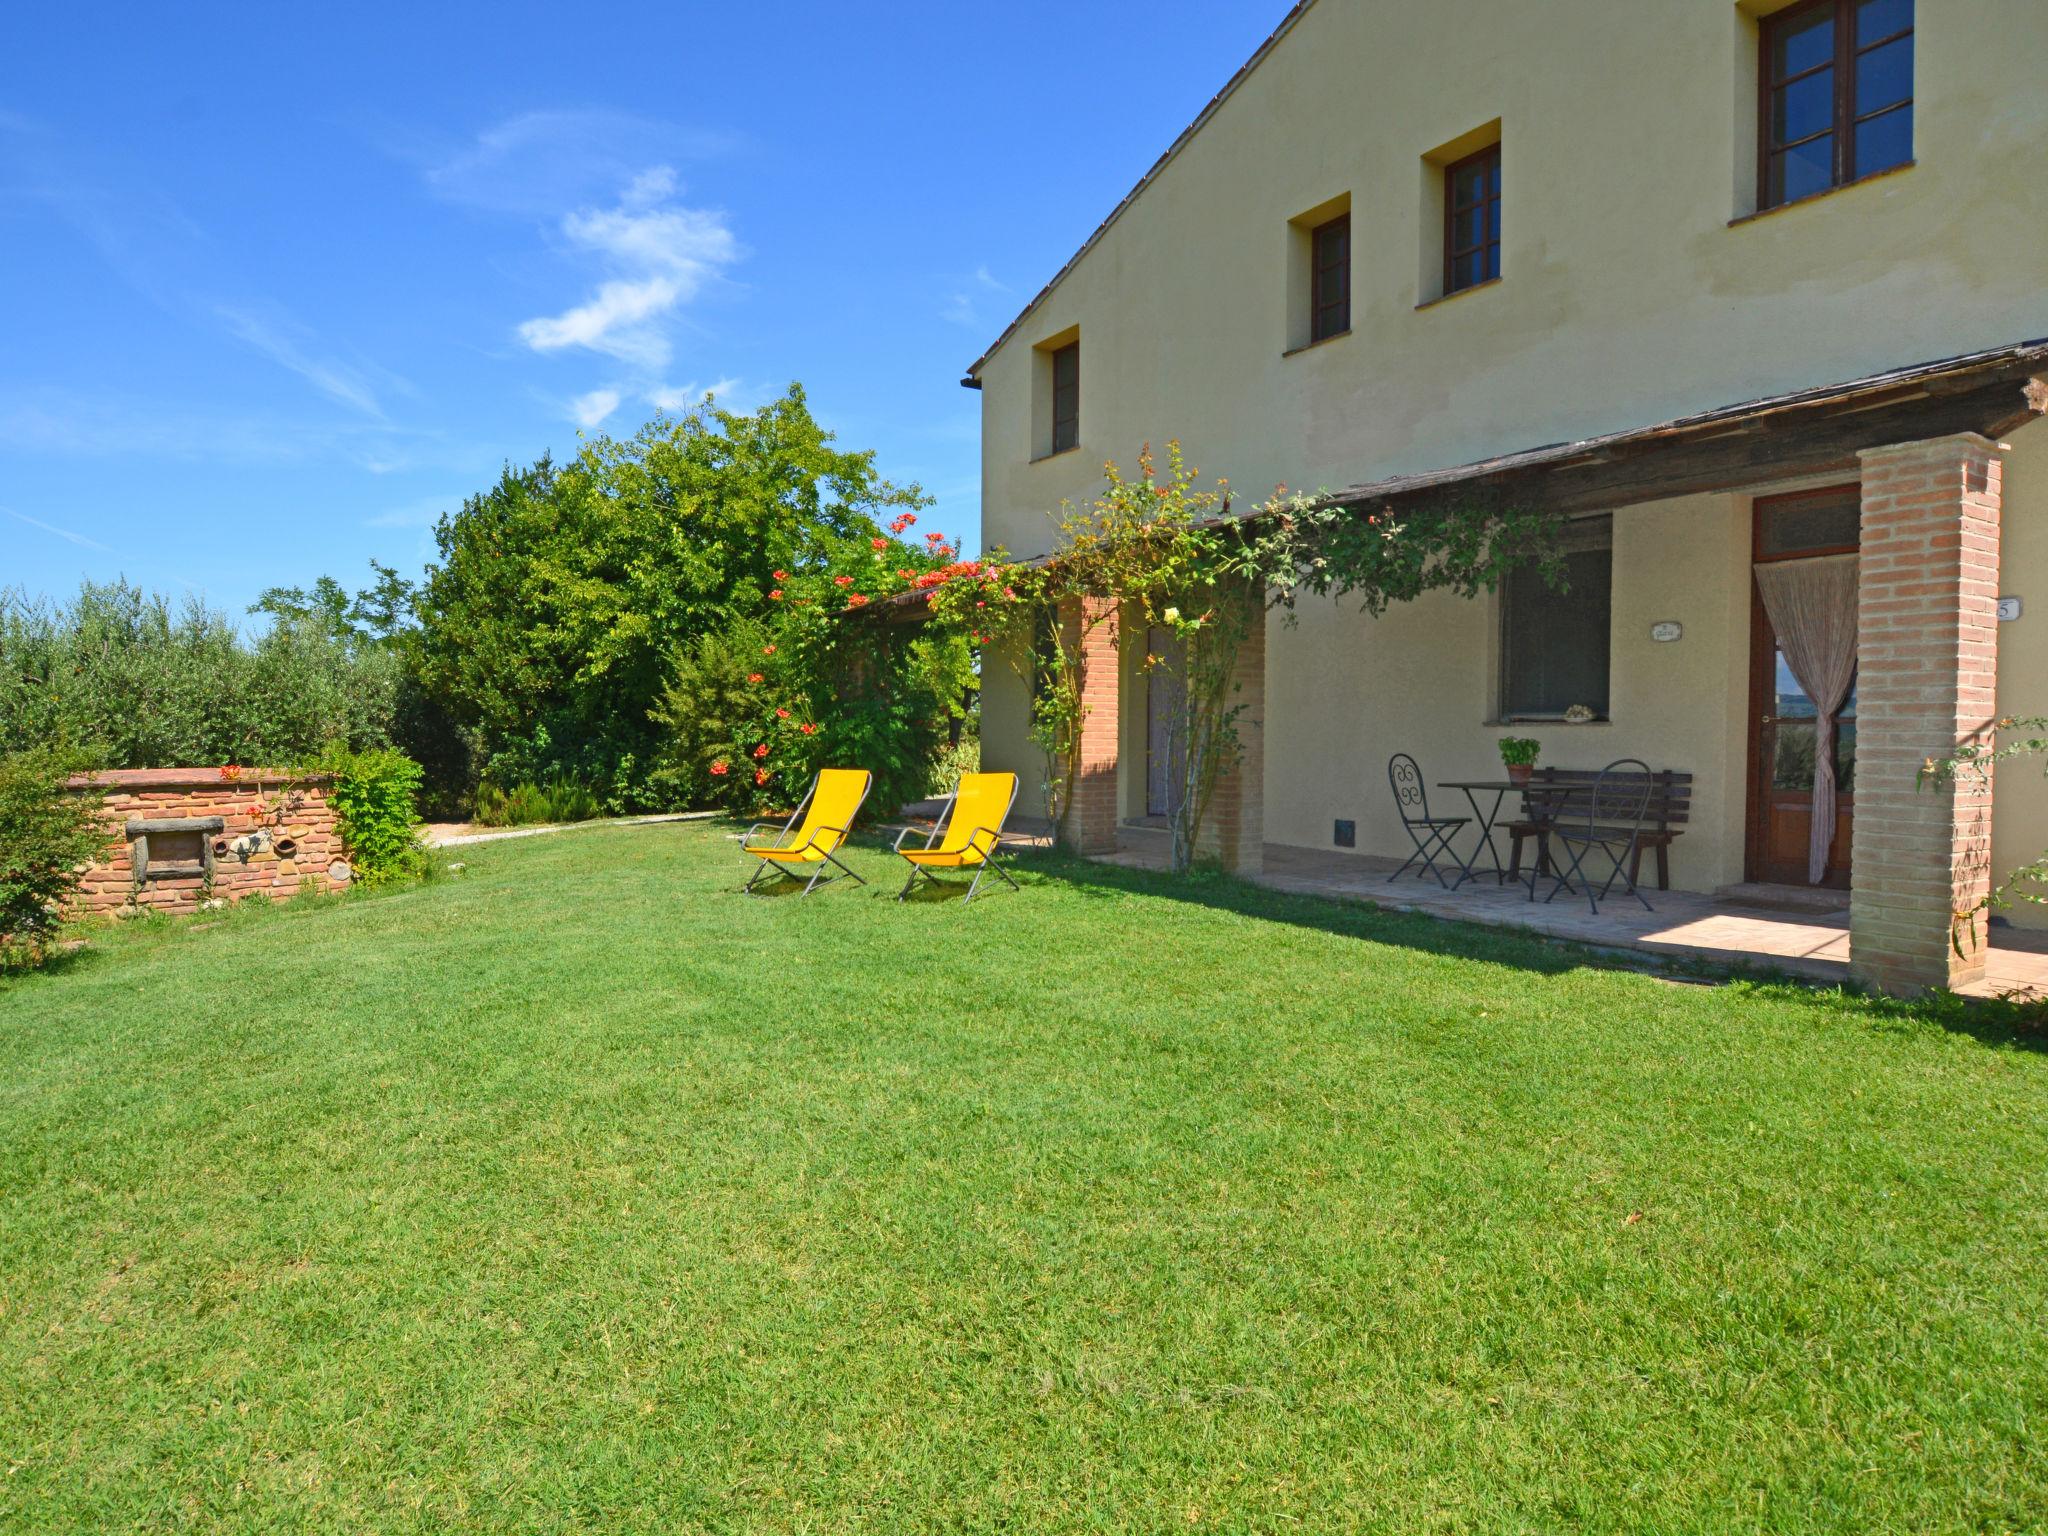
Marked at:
<point>969,831</point>
<point>810,839</point>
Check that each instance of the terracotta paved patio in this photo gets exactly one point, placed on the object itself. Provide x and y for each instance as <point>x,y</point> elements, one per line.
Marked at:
<point>1685,924</point>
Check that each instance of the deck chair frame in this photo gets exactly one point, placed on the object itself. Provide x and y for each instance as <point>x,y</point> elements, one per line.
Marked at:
<point>782,844</point>
<point>989,860</point>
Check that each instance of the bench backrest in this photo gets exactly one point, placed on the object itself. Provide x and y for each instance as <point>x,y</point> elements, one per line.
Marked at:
<point>1564,793</point>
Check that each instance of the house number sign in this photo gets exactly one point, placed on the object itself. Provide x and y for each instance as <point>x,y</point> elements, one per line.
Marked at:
<point>2009,608</point>
<point>1666,630</point>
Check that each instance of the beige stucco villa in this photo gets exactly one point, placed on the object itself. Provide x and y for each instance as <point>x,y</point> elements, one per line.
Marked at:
<point>1735,282</point>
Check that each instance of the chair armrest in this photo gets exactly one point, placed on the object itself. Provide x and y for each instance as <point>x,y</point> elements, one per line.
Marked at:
<point>897,846</point>
<point>747,837</point>
<point>994,839</point>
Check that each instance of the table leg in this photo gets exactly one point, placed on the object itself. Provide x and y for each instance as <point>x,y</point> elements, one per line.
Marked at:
<point>1484,820</point>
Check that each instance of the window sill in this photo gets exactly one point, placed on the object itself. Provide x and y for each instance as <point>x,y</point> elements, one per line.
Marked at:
<point>1505,722</point>
<point>1814,197</point>
<point>1057,453</point>
<point>1445,298</point>
<point>1320,341</point>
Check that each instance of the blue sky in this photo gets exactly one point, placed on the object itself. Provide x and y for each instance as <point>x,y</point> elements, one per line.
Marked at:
<point>274,293</point>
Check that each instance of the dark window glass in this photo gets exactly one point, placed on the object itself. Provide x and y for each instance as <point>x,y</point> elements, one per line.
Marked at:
<point>1837,95</point>
<point>1805,108</point>
<point>1330,296</point>
<point>1805,40</point>
<point>1066,397</point>
<point>1884,76</point>
<point>1554,642</point>
<point>1877,20</point>
<point>1885,141</point>
<point>1472,220</point>
<point>1810,523</point>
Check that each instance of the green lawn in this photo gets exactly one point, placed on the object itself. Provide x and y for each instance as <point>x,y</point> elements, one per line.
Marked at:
<point>580,1193</point>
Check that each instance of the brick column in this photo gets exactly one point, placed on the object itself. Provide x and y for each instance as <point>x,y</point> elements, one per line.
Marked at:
<point>1235,829</point>
<point>1092,815</point>
<point>1927,643</point>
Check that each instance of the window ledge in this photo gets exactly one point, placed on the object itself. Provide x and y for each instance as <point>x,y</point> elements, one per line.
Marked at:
<point>1310,346</point>
<point>1458,293</point>
<point>1814,197</point>
<point>1057,453</point>
<point>1506,722</point>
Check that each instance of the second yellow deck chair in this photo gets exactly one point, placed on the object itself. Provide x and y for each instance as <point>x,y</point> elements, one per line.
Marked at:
<point>969,831</point>
<point>811,838</point>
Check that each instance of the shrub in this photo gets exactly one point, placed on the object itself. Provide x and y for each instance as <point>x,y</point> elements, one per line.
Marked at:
<point>715,715</point>
<point>46,833</point>
<point>375,796</point>
<point>560,797</point>
<point>146,684</point>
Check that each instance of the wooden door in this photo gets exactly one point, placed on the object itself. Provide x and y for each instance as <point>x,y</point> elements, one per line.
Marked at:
<point>1783,727</point>
<point>1164,752</point>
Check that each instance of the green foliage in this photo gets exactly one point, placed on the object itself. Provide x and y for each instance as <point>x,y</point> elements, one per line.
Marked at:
<point>1158,551</point>
<point>139,683</point>
<point>375,796</point>
<point>2024,736</point>
<point>1520,751</point>
<point>718,712</point>
<point>559,798</point>
<point>564,594</point>
<point>46,832</point>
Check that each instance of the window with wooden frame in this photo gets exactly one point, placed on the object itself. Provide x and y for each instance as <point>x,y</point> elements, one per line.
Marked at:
<point>1330,279</point>
<point>1837,97</point>
<point>1472,220</point>
<point>1554,640</point>
<point>1066,397</point>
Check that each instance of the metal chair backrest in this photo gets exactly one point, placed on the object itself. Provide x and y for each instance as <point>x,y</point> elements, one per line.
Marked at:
<point>1620,801</point>
<point>1411,795</point>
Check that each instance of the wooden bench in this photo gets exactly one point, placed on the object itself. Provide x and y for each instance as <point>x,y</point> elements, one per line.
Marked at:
<point>1566,795</point>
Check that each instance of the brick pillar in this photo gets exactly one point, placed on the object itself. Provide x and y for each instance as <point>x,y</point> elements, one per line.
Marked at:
<point>1235,829</point>
<point>1927,642</point>
<point>1092,816</point>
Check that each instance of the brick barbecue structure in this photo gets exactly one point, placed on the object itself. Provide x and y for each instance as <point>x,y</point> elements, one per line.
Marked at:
<point>179,837</point>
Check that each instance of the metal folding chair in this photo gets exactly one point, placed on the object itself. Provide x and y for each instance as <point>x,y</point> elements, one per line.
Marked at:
<point>1431,834</point>
<point>1616,812</point>
<point>967,834</point>
<point>812,835</point>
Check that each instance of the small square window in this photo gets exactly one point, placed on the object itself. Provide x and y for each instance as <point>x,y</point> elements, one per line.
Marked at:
<point>1472,220</point>
<point>1837,97</point>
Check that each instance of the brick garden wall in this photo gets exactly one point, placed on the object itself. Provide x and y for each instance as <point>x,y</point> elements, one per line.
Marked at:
<point>271,853</point>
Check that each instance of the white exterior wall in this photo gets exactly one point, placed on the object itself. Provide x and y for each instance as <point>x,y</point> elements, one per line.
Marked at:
<point>1632,291</point>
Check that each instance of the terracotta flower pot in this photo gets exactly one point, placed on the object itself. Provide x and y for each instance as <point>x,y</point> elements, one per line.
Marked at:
<point>1519,773</point>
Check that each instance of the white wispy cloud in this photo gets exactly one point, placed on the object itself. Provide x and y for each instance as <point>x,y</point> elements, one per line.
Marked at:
<point>963,304</point>
<point>589,411</point>
<point>541,162</point>
<point>677,398</point>
<point>281,342</point>
<point>659,255</point>
<point>63,533</point>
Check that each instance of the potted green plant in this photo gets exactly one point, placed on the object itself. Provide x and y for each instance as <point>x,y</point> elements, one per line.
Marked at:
<point>1519,753</point>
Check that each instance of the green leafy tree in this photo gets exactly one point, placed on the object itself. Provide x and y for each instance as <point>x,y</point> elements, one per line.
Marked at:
<point>564,594</point>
